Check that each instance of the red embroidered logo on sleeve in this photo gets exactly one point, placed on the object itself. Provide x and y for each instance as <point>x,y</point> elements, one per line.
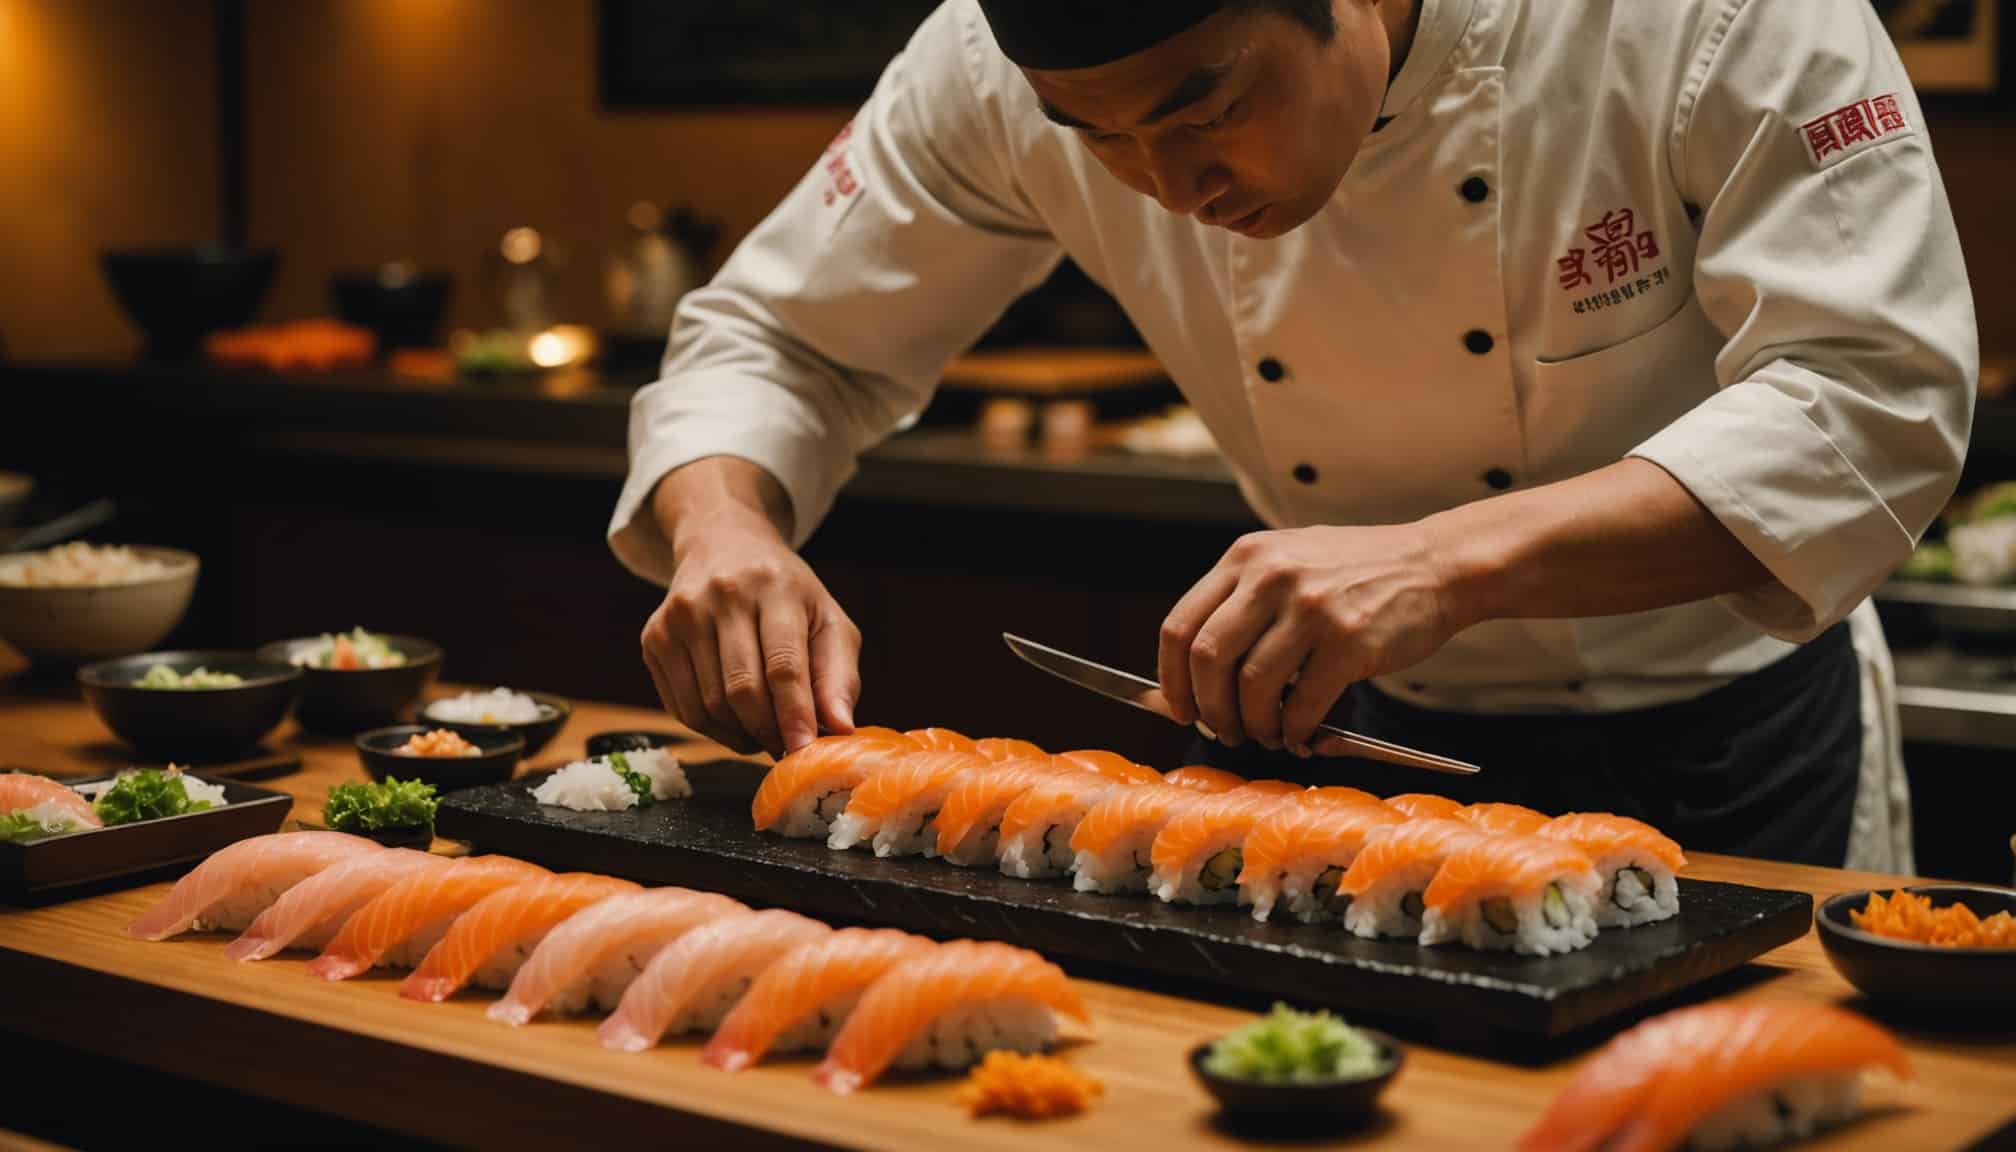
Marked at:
<point>839,185</point>
<point>1846,131</point>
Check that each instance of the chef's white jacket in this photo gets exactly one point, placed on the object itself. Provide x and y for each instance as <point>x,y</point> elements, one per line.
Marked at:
<point>1708,233</point>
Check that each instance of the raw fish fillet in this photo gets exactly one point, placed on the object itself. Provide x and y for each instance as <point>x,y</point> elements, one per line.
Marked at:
<point>590,956</point>
<point>830,762</point>
<point>20,790</point>
<point>695,980</point>
<point>239,881</point>
<point>312,912</point>
<point>1502,818</point>
<point>496,935</point>
<point>416,912</point>
<point>811,989</point>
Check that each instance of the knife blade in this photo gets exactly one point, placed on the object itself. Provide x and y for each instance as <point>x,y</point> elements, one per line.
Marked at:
<point>1147,695</point>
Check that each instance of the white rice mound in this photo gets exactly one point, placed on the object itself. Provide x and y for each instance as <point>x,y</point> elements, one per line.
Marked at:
<point>961,1035</point>
<point>1042,852</point>
<point>1123,867</point>
<point>851,829</point>
<point>1792,1110</point>
<point>1624,901</point>
<point>811,813</point>
<point>595,786</point>
<point>1534,936</point>
<point>1186,884</point>
<point>1378,910</point>
<point>497,706</point>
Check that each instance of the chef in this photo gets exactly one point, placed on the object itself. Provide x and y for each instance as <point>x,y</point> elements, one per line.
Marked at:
<point>1592,363</point>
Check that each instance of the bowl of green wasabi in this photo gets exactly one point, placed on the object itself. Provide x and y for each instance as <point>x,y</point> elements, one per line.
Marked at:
<point>192,705</point>
<point>1298,1068</point>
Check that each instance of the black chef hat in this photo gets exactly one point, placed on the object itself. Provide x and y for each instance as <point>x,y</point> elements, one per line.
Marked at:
<point>1058,34</point>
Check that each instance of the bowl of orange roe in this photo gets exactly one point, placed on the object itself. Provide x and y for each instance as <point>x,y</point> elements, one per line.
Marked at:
<point>447,759</point>
<point>1927,944</point>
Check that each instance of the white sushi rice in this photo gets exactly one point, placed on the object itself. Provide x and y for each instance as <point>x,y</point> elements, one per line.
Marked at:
<point>811,813</point>
<point>1209,876</point>
<point>1383,909</point>
<point>1123,867</point>
<point>1534,934</point>
<point>814,1031</point>
<point>1042,852</point>
<point>497,971</point>
<point>603,986</point>
<point>408,953</point>
<point>709,1004</point>
<point>1625,900</point>
<point>1793,1110</point>
<point>1307,889</point>
<point>980,847</point>
<point>497,706</point>
<point>963,1034</point>
<point>596,786</point>
<point>235,911</point>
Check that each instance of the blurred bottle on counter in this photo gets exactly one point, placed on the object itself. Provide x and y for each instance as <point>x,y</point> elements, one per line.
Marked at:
<point>663,257</point>
<point>522,267</point>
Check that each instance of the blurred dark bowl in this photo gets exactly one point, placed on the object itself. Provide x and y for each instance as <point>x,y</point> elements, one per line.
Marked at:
<point>403,309</point>
<point>192,723</point>
<point>341,702</point>
<point>499,756</point>
<point>178,296</point>
<point>537,733</point>
<point>1923,977</point>
<point>1302,1105</point>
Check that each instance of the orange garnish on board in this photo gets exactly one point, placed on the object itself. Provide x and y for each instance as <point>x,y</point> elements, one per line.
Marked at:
<point>1032,1087</point>
<point>1910,916</point>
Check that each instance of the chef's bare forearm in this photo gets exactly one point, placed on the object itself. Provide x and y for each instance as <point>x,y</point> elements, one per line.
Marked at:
<point>1625,538</point>
<point>718,492</point>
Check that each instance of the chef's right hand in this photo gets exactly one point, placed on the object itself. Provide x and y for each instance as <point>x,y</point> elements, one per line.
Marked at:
<point>748,648</point>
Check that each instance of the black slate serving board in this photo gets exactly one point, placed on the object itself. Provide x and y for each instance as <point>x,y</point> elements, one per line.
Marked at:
<point>707,842</point>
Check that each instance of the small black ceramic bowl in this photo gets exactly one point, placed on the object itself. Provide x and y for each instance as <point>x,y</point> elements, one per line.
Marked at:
<point>340,701</point>
<point>192,724</point>
<point>1925,975</point>
<point>500,753</point>
<point>537,733</point>
<point>1321,1103</point>
<point>603,743</point>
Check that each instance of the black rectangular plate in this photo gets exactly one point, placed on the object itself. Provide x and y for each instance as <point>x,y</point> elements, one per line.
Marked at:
<point>707,842</point>
<point>87,863</point>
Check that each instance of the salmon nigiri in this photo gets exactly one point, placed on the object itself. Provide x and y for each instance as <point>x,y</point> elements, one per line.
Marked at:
<point>1003,749</point>
<point>239,881</point>
<point>1387,880</point>
<point>1298,853</point>
<point>1112,843</point>
<point>1724,1074</point>
<point>1635,861</point>
<point>1204,778</point>
<point>593,955</point>
<point>969,822</point>
<point>948,1006</point>
<point>807,790</point>
<point>53,799</point>
<point>311,912</point>
<point>1198,855</point>
<point>799,1002</point>
<point>941,739</point>
<point>894,807</point>
<point>1036,828</point>
<point>1423,805</point>
<point>1501,818</point>
<point>1513,892</point>
<point>1108,764</point>
<point>402,924</point>
<point>693,982</point>
<point>1340,794</point>
<point>491,941</point>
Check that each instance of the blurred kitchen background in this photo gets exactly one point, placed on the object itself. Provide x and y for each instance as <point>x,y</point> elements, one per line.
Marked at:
<point>349,298</point>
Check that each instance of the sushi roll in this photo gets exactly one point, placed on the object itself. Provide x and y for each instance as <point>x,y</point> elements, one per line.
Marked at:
<point>311,912</point>
<point>1635,861</point>
<point>592,957</point>
<point>1002,749</point>
<point>1423,805</point>
<point>1203,778</point>
<point>1387,881</point>
<point>694,981</point>
<point>949,1007</point>
<point>400,925</point>
<point>1297,855</point>
<point>1110,849</point>
<point>1728,1074</point>
<point>941,739</point>
<point>799,1003</point>
<point>1513,893</point>
<point>236,883</point>
<point>1036,828</point>
<point>1109,764</point>
<point>969,822</point>
<point>492,940</point>
<point>1501,818</point>
<point>1198,855</point>
<point>807,790</point>
<point>894,810</point>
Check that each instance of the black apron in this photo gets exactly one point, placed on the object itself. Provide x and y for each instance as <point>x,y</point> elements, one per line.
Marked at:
<point>1765,766</point>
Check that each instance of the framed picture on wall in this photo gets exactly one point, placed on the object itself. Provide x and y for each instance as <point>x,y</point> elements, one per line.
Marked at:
<point>1957,51</point>
<point>655,54</point>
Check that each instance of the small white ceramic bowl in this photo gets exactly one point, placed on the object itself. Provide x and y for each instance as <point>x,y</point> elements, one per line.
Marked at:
<point>79,623</point>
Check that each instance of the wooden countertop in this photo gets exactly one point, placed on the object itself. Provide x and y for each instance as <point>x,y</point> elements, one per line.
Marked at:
<point>359,1050</point>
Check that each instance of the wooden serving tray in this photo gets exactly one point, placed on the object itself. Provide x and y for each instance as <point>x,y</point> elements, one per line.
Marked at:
<point>707,842</point>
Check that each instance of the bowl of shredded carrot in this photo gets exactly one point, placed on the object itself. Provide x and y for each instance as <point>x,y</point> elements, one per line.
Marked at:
<point>1952,944</point>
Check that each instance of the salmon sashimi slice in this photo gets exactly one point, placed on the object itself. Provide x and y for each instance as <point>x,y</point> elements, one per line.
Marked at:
<point>1109,764</point>
<point>1505,865</point>
<point>1761,1068</point>
<point>1003,749</point>
<point>1297,854</point>
<point>1423,805</point>
<point>800,1002</point>
<point>941,739</point>
<point>1037,826</point>
<point>1198,855</point>
<point>24,790</point>
<point>1397,846</point>
<point>694,981</point>
<point>948,1006</point>
<point>894,807</point>
<point>1340,794</point>
<point>310,913</point>
<point>239,881</point>
<point>405,921</point>
<point>592,956</point>
<point>1204,778</point>
<point>1600,834</point>
<point>969,822</point>
<point>806,790</point>
<point>491,941</point>
<point>1502,818</point>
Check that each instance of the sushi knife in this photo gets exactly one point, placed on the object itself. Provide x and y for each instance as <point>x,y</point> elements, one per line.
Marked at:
<point>1147,696</point>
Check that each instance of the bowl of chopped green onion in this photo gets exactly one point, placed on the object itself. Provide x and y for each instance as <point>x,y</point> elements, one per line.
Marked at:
<point>195,705</point>
<point>1298,1067</point>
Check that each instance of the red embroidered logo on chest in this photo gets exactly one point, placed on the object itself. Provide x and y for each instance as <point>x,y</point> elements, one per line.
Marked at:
<point>1622,252</point>
<point>1845,131</point>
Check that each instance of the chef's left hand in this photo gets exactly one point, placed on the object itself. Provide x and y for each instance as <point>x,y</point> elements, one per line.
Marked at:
<point>1323,606</point>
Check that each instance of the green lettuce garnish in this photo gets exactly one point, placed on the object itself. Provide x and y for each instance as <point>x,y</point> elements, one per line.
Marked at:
<point>1286,1046</point>
<point>148,794</point>
<point>638,782</point>
<point>388,803</point>
<point>19,828</point>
